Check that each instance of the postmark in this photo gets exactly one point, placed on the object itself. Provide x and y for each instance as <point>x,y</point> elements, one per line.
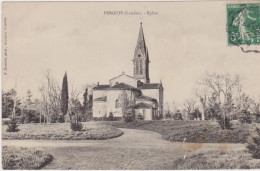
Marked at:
<point>243,24</point>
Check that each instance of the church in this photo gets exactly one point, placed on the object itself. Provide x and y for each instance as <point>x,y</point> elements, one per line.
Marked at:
<point>131,94</point>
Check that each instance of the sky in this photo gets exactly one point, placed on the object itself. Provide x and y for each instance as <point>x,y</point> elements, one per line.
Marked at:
<point>184,40</point>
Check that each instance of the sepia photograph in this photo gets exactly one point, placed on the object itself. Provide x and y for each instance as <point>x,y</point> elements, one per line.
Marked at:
<point>130,85</point>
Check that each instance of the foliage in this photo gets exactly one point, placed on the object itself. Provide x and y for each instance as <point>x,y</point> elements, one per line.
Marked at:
<point>129,117</point>
<point>168,115</point>
<point>140,117</point>
<point>76,126</point>
<point>12,125</point>
<point>177,115</point>
<point>64,95</point>
<point>244,117</point>
<point>111,116</point>
<point>18,158</point>
<point>224,121</point>
<point>253,143</point>
<point>29,116</point>
<point>50,98</point>
<point>85,101</point>
<point>8,103</point>
<point>195,115</point>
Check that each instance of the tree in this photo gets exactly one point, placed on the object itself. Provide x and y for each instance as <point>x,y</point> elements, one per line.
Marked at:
<point>223,86</point>
<point>29,94</point>
<point>188,107</point>
<point>64,95</point>
<point>196,114</point>
<point>8,100</point>
<point>177,115</point>
<point>85,100</point>
<point>50,98</point>
<point>255,108</point>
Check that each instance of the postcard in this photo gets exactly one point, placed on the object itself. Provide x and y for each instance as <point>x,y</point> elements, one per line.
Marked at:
<point>130,85</point>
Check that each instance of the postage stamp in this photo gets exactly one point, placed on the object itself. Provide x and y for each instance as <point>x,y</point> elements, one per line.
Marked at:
<point>243,24</point>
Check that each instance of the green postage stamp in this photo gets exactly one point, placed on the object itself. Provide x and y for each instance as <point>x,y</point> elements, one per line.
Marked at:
<point>243,24</point>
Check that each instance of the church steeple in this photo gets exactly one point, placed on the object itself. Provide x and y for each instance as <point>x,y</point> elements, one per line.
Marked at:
<point>141,58</point>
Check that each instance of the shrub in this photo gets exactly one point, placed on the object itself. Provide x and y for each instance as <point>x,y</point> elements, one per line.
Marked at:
<point>244,117</point>
<point>76,126</point>
<point>111,116</point>
<point>12,125</point>
<point>129,117</point>
<point>225,123</point>
<point>253,143</point>
<point>140,117</point>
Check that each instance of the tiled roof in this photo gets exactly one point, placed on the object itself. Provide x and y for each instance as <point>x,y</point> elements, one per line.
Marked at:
<point>101,87</point>
<point>123,86</point>
<point>102,99</point>
<point>150,86</point>
<point>141,106</point>
<point>146,98</point>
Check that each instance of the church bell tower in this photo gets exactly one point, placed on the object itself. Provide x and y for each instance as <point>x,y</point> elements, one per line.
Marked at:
<point>141,59</point>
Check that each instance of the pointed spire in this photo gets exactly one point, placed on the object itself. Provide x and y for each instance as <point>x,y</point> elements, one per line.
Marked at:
<point>141,42</point>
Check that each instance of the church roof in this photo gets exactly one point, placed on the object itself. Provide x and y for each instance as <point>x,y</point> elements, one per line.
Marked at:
<point>123,86</point>
<point>140,45</point>
<point>121,75</point>
<point>146,98</point>
<point>141,106</point>
<point>150,86</point>
<point>101,87</point>
<point>101,99</point>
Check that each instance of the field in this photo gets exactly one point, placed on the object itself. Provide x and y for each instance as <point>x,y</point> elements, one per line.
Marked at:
<point>191,131</point>
<point>216,159</point>
<point>62,131</point>
<point>23,158</point>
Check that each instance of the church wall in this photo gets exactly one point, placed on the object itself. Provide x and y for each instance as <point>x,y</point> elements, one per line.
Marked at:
<point>112,96</point>
<point>146,113</point>
<point>99,109</point>
<point>124,79</point>
<point>156,94</point>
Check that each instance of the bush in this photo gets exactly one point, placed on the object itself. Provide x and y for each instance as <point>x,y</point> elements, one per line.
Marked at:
<point>224,123</point>
<point>12,125</point>
<point>244,117</point>
<point>76,126</point>
<point>129,117</point>
<point>140,117</point>
<point>253,143</point>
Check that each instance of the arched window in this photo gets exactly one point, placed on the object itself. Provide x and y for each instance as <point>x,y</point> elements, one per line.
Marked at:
<point>137,67</point>
<point>141,67</point>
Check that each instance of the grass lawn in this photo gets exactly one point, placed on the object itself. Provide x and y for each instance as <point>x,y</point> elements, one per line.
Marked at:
<point>217,160</point>
<point>193,131</point>
<point>14,158</point>
<point>62,131</point>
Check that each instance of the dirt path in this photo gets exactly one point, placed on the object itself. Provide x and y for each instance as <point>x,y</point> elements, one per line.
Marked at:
<point>136,149</point>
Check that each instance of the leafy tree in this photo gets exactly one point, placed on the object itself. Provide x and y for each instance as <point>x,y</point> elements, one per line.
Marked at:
<point>8,103</point>
<point>244,117</point>
<point>196,114</point>
<point>12,125</point>
<point>64,95</point>
<point>178,115</point>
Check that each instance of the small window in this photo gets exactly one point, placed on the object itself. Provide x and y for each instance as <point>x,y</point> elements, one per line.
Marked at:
<point>117,103</point>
